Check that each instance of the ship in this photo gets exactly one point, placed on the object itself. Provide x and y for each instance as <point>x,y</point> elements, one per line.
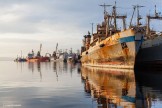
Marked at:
<point>38,58</point>
<point>58,55</point>
<point>151,48</point>
<point>111,46</point>
<point>20,59</point>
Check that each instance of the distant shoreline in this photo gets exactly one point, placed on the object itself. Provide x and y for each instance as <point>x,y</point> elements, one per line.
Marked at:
<point>6,59</point>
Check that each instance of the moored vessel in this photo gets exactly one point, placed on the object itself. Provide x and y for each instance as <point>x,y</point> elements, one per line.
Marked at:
<point>38,58</point>
<point>20,59</point>
<point>110,46</point>
<point>151,48</point>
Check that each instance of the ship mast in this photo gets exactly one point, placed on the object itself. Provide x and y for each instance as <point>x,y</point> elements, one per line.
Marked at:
<point>92,27</point>
<point>152,17</point>
<point>104,6</point>
<point>106,17</point>
<point>114,12</point>
<point>134,8</point>
<point>115,16</point>
<point>40,48</point>
<point>56,47</point>
<point>21,53</point>
<point>138,15</point>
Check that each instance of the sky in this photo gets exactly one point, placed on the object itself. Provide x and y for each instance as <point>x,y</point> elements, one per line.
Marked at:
<point>25,24</point>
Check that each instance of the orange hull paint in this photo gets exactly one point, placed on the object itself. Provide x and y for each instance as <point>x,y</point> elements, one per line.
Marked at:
<point>39,59</point>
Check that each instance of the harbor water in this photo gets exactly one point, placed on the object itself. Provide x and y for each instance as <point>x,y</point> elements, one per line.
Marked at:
<point>66,85</point>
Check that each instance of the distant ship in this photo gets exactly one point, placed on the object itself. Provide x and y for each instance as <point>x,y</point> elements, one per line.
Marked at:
<point>111,47</point>
<point>38,57</point>
<point>151,48</point>
<point>59,57</point>
<point>20,59</point>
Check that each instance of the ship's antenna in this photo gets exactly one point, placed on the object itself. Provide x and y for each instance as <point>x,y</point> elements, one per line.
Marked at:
<point>92,27</point>
<point>21,53</point>
<point>155,10</point>
<point>104,6</point>
<point>156,14</point>
<point>134,8</point>
<point>56,47</point>
<point>40,48</point>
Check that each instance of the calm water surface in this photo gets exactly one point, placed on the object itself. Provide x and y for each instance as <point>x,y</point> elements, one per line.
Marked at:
<point>58,85</point>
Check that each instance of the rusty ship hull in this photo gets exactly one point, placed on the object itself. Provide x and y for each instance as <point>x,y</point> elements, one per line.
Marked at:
<point>116,51</point>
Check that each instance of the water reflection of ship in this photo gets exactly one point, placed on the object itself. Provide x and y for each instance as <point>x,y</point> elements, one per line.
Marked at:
<point>113,89</point>
<point>55,69</point>
<point>31,66</point>
<point>39,69</point>
<point>148,87</point>
<point>109,87</point>
<point>60,67</point>
<point>21,64</point>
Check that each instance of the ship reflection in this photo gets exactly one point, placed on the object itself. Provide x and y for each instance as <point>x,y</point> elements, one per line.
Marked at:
<point>31,66</point>
<point>39,69</point>
<point>37,65</point>
<point>122,89</point>
<point>57,67</point>
<point>110,88</point>
<point>149,89</point>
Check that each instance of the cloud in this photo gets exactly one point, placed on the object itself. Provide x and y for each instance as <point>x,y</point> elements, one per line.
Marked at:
<point>18,40</point>
<point>30,22</point>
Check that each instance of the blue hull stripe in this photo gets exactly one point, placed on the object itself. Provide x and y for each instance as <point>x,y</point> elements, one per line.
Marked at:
<point>127,39</point>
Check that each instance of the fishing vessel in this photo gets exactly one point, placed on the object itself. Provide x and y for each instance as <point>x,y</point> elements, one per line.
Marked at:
<point>38,58</point>
<point>20,59</point>
<point>151,48</point>
<point>111,46</point>
<point>58,55</point>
